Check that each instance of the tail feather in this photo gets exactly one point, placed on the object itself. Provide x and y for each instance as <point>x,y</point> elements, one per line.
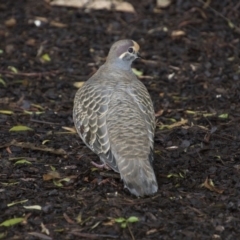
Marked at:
<point>138,176</point>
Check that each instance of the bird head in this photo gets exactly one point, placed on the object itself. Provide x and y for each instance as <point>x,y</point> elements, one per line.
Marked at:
<point>123,53</point>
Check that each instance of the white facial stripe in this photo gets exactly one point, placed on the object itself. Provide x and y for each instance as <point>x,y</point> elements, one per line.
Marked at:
<point>122,55</point>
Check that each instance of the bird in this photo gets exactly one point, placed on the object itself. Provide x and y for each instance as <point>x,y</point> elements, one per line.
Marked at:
<point>114,116</point>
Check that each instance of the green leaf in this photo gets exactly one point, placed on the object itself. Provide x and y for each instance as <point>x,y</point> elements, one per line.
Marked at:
<point>66,179</point>
<point>1,51</point>
<point>19,202</point>
<point>94,169</point>
<point>211,182</point>
<point>45,57</point>
<point>20,128</point>
<point>22,161</point>
<point>181,175</point>
<point>11,222</point>
<point>132,219</point>
<point>37,106</point>
<point>223,116</point>
<point>45,141</point>
<point>31,112</point>
<point>7,112</point>
<point>137,72</point>
<point>13,69</point>
<point>230,24</point>
<point>57,183</point>
<point>120,220</point>
<point>3,82</point>
<point>123,225</point>
<point>172,120</point>
<point>172,175</point>
<point>209,114</point>
<point>190,112</point>
<point>53,168</point>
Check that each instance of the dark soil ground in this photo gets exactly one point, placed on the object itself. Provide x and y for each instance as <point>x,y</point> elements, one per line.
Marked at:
<point>194,82</point>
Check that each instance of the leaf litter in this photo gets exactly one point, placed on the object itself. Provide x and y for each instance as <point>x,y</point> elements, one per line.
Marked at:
<point>190,67</point>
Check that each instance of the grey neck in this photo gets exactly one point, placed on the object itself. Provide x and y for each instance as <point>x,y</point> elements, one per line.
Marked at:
<point>120,64</point>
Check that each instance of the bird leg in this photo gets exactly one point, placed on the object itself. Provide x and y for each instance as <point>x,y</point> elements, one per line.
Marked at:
<point>102,166</point>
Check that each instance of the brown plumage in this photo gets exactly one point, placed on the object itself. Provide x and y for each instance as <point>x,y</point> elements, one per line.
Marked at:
<point>113,114</point>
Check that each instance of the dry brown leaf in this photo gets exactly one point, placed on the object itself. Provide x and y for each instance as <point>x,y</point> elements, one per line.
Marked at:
<point>207,137</point>
<point>111,222</point>
<point>159,113</point>
<point>151,231</point>
<point>9,150</point>
<point>161,94</point>
<point>208,183</point>
<point>42,19</point>
<point>58,24</point>
<point>31,42</point>
<point>96,5</point>
<point>11,22</point>
<point>179,123</point>
<point>86,179</point>
<point>72,130</point>
<point>78,84</point>
<point>51,175</point>
<point>44,229</point>
<point>68,219</point>
<point>177,33</point>
<point>163,3</point>
<point>40,235</point>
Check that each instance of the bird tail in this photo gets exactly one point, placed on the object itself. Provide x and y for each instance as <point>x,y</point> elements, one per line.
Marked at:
<point>138,176</point>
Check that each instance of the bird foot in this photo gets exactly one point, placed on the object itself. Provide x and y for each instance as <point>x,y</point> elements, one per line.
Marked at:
<point>101,166</point>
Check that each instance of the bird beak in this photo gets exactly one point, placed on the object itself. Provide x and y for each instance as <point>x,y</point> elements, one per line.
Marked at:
<point>138,55</point>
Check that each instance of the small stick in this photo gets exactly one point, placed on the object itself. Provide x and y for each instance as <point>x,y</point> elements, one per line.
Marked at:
<point>93,235</point>
<point>29,145</point>
<point>110,175</point>
<point>32,74</point>
<point>43,122</point>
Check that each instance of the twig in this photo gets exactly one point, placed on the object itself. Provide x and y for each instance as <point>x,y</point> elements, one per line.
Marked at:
<point>129,229</point>
<point>93,235</point>
<point>44,122</point>
<point>40,235</point>
<point>32,74</point>
<point>110,175</point>
<point>145,77</point>
<point>237,29</point>
<point>33,147</point>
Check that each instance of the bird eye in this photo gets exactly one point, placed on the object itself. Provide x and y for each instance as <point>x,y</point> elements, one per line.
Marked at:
<point>130,50</point>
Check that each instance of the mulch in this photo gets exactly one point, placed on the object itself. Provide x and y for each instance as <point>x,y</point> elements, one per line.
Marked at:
<point>191,68</point>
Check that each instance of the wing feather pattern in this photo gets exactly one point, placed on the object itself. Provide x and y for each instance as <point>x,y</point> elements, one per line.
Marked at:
<point>89,114</point>
<point>117,122</point>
